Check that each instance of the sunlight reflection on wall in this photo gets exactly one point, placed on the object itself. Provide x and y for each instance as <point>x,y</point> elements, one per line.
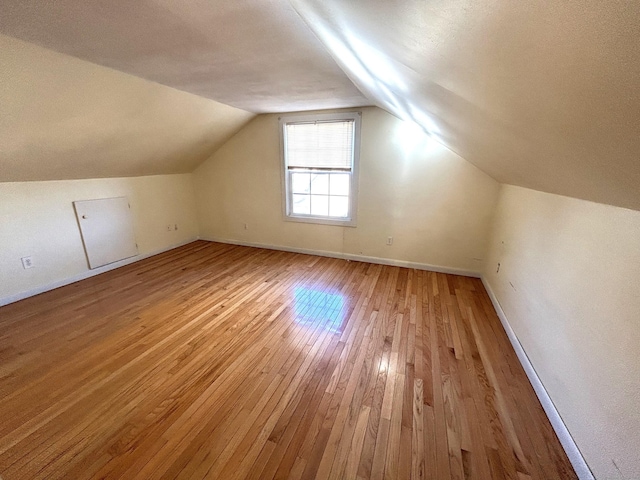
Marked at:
<point>391,84</point>
<point>318,308</point>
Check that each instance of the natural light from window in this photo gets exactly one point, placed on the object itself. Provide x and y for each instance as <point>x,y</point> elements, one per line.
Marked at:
<point>316,308</point>
<point>319,159</point>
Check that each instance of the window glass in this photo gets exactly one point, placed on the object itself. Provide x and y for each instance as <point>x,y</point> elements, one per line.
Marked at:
<point>301,204</point>
<point>320,205</point>
<point>320,164</point>
<point>339,184</point>
<point>320,183</point>
<point>338,206</point>
<point>301,182</point>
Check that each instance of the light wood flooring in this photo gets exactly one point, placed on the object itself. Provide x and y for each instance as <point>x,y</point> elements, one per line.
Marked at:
<point>226,362</point>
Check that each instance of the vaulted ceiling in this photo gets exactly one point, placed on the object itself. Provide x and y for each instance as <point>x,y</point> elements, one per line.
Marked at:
<point>539,94</point>
<point>544,95</point>
<point>257,55</point>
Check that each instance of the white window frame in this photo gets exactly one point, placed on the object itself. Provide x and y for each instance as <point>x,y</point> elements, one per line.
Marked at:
<point>286,173</point>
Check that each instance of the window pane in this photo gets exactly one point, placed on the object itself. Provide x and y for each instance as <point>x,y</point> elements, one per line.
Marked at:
<point>300,182</point>
<point>320,205</point>
<point>340,183</point>
<point>320,184</point>
<point>339,206</point>
<point>301,204</point>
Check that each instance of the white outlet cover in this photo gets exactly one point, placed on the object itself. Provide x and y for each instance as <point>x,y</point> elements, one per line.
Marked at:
<point>27,262</point>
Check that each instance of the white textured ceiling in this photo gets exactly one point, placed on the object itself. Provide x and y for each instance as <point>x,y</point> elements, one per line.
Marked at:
<point>257,55</point>
<point>536,93</point>
<point>540,94</point>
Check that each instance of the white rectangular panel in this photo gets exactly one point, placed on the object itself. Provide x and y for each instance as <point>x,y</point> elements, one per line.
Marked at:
<point>107,230</point>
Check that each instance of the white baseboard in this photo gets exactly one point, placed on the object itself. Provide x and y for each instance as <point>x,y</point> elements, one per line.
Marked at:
<point>569,445</point>
<point>87,274</point>
<point>349,256</point>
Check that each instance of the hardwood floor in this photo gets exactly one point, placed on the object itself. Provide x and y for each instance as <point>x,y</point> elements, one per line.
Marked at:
<point>225,362</point>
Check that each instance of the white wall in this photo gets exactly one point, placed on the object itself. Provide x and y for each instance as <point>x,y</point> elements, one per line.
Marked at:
<point>569,284</point>
<point>435,205</point>
<point>37,219</point>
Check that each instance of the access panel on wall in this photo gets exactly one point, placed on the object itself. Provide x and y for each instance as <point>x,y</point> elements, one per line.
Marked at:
<point>107,230</point>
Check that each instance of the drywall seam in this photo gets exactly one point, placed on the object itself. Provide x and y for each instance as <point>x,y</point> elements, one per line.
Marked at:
<point>87,274</point>
<point>349,256</point>
<point>569,445</point>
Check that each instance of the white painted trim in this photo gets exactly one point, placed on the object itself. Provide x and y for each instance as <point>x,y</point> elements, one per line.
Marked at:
<point>87,274</point>
<point>569,445</point>
<point>349,256</point>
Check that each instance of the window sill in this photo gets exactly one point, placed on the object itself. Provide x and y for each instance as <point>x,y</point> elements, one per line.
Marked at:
<point>321,220</point>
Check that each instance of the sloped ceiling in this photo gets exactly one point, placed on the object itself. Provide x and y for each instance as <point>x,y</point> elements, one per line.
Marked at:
<point>538,94</point>
<point>64,118</point>
<point>257,55</point>
<point>544,95</point>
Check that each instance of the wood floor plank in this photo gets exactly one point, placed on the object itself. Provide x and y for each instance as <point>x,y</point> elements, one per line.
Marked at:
<point>220,361</point>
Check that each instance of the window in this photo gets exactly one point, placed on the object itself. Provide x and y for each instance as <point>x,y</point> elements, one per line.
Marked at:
<point>320,158</point>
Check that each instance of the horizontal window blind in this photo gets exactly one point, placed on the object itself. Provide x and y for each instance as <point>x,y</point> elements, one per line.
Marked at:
<point>320,144</point>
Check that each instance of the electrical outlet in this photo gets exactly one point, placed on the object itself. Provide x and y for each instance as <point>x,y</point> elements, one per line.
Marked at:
<point>169,228</point>
<point>27,262</point>
<point>389,240</point>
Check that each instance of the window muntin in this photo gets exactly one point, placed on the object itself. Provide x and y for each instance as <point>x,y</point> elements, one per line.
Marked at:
<point>320,156</point>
